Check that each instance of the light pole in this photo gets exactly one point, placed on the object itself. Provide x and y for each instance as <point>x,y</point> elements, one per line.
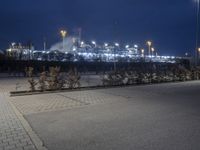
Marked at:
<point>197,32</point>
<point>94,48</point>
<point>149,43</point>
<point>199,55</point>
<point>63,35</point>
<point>116,45</point>
<point>142,52</point>
<point>82,43</point>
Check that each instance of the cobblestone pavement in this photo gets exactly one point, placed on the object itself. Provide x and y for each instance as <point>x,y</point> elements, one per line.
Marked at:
<point>13,136</point>
<point>152,117</point>
<point>68,100</point>
<point>60,101</point>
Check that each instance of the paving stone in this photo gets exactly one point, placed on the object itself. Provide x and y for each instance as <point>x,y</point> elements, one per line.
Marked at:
<point>60,101</point>
<point>12,133</point>
<point>29,147</point>
<point>10,147</point>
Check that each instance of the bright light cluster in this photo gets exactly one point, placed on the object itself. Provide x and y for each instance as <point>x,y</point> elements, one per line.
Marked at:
<point>93,51</point>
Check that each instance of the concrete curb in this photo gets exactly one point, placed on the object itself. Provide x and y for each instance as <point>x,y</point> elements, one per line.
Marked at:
<point>35,139</point>
<point>38,92</point>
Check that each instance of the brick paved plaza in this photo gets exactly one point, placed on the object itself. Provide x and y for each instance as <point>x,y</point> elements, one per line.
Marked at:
<point>151,117</point>
<point>13,136</point>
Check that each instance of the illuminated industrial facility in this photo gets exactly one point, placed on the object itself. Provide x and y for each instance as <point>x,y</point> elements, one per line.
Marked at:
<point>71,48</point>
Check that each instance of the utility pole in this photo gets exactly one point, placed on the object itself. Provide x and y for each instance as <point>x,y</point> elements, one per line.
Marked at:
<point>63,35</point>
<point>197,34</point>
<point>44,44</point>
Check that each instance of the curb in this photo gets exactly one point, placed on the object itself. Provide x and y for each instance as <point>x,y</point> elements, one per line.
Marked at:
<point>39,92</point>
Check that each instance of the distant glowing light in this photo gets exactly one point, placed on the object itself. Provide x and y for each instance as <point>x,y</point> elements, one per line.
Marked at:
<point>25,52</point>
<point>82,43</point>
<point>63,33</point>
<point>13,43</point>
<point>9,50</point>
<point>142,51</point>
<point>149,43</point>
<point>172,57</point>
<point>117,44</point>
<point>93,42</point>
<point>127,46</point>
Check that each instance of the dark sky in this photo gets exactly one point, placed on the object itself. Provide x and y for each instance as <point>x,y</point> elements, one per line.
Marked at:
<point>170,24</point>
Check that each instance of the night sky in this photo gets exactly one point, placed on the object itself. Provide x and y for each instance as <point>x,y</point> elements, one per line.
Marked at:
<point>170,24</point>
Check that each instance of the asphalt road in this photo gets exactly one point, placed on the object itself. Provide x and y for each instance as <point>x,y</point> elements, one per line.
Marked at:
<point>153,117</point>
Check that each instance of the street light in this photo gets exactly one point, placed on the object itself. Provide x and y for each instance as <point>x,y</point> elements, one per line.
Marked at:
<point>74,49</point>
<point>117,44</point>
<point>152,50</point>
<point>127,46</point>
<point>142,52</point>
<point>149,43</point>
<point>94,43</point>
<point>82,43</point>
<point>106,44</point>
<point>63,35</point>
